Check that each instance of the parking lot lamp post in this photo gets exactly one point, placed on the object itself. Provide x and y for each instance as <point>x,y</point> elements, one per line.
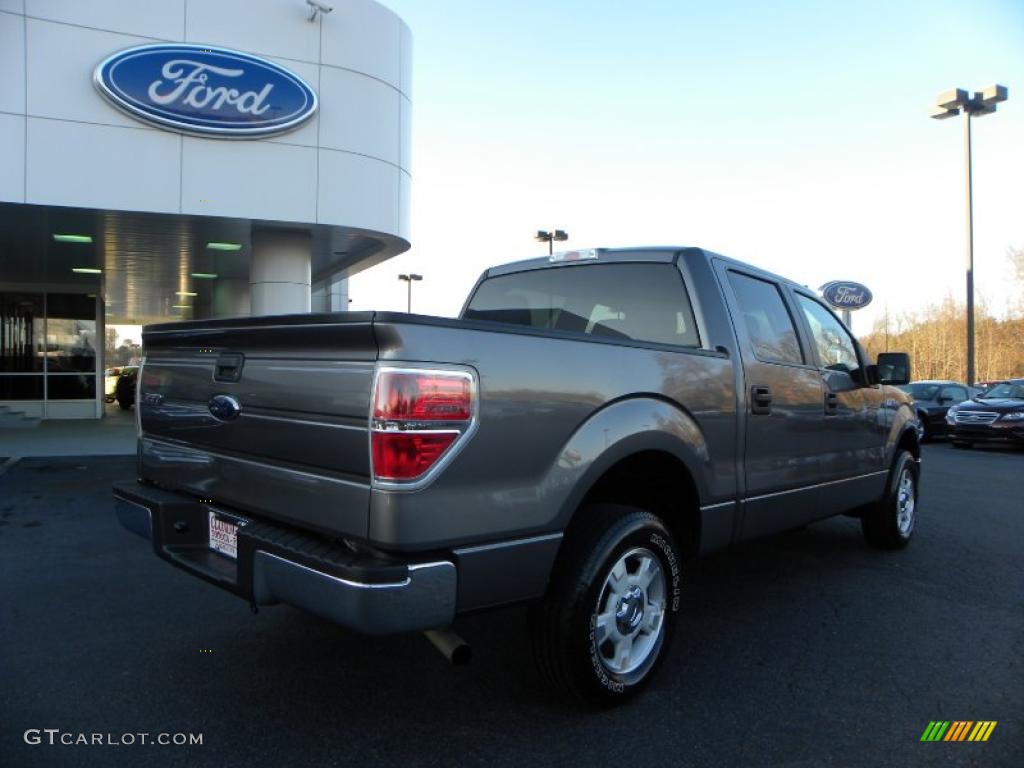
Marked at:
<point>550,237</point>
<point>409,280</point>
<point>949,104</point>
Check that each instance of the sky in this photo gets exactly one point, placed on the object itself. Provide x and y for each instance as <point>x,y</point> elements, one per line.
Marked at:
<point>791,135</point>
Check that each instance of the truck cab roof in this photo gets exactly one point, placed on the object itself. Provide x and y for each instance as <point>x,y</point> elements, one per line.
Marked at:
<point>658,254</point>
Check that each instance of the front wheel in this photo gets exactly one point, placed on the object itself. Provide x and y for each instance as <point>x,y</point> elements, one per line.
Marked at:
<point>924,432</point>
<point>607,620</point>
<point>890,523</point>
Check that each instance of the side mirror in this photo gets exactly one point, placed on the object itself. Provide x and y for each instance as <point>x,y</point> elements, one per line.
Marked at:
<point>894,368</point>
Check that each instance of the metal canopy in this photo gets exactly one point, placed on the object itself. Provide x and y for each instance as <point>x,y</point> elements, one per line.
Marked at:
<point>147,260</point>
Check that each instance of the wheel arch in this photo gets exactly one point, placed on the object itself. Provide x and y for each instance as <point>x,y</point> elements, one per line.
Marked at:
<point>903,434</point>
<point>643,452</point>
<point>656,481</point>
<point>909,441</point>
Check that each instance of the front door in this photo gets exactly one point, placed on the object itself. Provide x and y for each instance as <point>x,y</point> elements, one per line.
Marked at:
<point>854,433</point>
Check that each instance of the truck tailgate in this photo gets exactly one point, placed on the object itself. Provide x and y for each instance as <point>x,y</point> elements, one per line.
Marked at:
<point>291,441</point>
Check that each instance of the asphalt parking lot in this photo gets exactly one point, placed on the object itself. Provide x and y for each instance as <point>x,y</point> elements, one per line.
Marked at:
<point>807,649</point>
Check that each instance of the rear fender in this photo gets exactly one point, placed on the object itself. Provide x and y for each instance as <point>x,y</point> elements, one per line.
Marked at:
<point>617,431</point>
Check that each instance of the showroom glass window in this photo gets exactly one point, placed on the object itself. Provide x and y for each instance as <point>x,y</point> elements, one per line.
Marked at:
<point>71,351</point>
<point>21,346</point>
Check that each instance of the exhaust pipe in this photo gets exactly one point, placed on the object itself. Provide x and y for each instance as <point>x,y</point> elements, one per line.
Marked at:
<point>451,646</point>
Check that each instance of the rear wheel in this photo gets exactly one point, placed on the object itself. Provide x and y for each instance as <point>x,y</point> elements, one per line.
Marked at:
<point>890,523</point>
<point>606,622</point>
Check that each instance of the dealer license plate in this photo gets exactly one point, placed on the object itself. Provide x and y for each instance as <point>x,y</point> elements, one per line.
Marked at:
<point>224,533</point>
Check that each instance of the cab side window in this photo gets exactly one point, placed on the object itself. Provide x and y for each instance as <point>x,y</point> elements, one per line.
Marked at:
<point>768,322</point>
<point>953,394</point>
<point>836,349</point>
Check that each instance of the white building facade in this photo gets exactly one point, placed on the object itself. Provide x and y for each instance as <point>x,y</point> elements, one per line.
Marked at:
<point>186,159</point>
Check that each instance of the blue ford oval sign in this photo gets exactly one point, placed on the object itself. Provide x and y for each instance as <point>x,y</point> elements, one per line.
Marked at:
<point>205,91</point>
<point>843,294</point>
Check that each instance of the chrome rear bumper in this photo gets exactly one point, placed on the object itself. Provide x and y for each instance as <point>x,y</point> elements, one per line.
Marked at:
<point>364,595</point>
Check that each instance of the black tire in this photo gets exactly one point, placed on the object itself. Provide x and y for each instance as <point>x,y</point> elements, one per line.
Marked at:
<point>925,433</point>
<point>962,444</point>
<point>565,625</point>
<point>887,525</point>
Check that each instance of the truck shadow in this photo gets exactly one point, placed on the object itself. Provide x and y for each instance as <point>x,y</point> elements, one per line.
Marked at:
<point>784,592</point>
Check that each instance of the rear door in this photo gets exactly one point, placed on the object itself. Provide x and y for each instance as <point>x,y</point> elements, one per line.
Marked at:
<point>783,401</point>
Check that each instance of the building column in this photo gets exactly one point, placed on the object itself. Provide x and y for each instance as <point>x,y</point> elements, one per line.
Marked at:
<point>337,292</point>
<point>231,297</point>
<point>279,276</point>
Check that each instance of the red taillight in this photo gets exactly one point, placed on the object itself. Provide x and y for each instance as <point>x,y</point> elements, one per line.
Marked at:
<point>407,455</point>
<point>417,417</point>
<point>422,397</point>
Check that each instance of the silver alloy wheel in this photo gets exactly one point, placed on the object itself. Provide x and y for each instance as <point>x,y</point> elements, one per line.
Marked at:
<point>906,499</point>
<point>630,613</point>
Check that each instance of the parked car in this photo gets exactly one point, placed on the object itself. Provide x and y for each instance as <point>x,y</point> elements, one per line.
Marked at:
<point>932,399</point>
<point>997,416</point>
<point>110,377</point>
<point>124,392</point>
<point>590,422</point>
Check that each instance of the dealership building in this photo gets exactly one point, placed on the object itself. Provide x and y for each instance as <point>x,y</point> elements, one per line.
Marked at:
<point>187,159</point>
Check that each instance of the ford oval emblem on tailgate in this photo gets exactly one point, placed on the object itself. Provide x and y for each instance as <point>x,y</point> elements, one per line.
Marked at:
<point>224,407</point>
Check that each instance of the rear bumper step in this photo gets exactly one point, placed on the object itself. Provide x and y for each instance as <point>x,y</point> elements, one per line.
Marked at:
<point>276,564</point>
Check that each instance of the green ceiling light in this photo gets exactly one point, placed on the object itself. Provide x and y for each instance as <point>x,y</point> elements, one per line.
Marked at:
<point>224,246</point>
<point>187,293</point>
<point>181,306</point>
<point>204,275</point>
<point>87,271</point>
<point>73,238</point>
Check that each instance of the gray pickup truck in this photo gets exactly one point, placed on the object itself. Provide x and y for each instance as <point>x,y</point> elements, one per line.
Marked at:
<point>590,422</point>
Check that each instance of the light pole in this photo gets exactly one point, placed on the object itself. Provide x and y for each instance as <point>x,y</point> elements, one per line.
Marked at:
<point>409,279</point>
<point>550,237</point>
<point>948,104</point>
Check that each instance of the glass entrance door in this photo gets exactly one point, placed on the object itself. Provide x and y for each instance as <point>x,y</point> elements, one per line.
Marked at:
<point>49,358</point>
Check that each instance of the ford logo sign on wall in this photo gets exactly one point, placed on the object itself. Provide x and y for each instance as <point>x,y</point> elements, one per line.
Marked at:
<point>205,91</point>
<point>843,294</point>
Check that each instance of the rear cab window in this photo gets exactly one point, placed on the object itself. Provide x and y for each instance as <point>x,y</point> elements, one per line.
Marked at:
<point>632,302</point>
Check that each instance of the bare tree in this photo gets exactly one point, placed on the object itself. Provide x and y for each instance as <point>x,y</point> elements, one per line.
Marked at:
<point>1016,257</point>
<point>935,340</point>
